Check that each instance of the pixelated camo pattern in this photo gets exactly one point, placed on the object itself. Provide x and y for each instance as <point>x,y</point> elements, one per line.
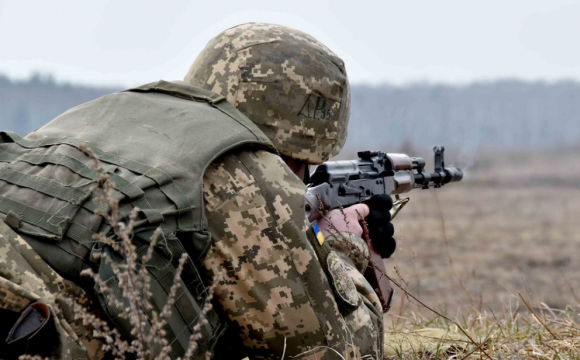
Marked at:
<point>341,280</point>
<point>25,278</point>
<point>269,280</point>
<point>352,246</point>
<point>288,83</point>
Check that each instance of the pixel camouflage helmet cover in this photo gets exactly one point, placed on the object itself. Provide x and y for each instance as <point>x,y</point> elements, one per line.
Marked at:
<point>289,84</point>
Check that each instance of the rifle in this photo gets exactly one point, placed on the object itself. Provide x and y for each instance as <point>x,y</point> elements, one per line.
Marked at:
<point>337,184</point>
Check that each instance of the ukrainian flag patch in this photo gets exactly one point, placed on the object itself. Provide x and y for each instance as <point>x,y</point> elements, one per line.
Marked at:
<point>318,233</point>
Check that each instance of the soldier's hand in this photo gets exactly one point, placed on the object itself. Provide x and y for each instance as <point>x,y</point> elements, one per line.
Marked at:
<point>347,219</point>
<point>381,229</point>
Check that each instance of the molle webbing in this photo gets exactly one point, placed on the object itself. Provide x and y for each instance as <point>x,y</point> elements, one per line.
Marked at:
<point>163,180</point>
<point>187,305</point>
<point>123,186</point>
<point>45,186</point>
<point>56,225</point>
<point>131,191</point>
<point>52,223</point>
<point>6,157</point>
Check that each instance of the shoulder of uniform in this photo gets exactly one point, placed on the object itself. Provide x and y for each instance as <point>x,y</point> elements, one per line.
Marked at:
<point>265,172</point>
<point>240,168</point>
<point>223,178</point>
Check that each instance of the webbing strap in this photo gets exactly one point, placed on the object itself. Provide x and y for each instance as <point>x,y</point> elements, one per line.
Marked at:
<point>81,234</point>
<point>169,189</point>
<point>54,224</point>
<point>7,157</point>
<point>45,186</point>
<point>116,313</point>
<point>154,216</point>
<point>132,192</point>
<point>121,184</point>
<point>163,272</point>
<point>163,180</point>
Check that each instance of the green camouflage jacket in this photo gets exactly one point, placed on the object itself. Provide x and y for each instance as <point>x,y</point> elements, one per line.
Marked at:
<point>270,282</point>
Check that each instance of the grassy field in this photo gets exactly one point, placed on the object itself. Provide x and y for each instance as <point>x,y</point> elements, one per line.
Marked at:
<point>468,249</point>
<point>512,225</point>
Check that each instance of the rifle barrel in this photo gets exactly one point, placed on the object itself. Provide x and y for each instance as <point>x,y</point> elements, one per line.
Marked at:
<point>450,174</point>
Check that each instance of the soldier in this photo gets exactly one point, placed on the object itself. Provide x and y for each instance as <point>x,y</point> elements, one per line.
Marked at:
<point>281,287</point>
<point>275,290</point>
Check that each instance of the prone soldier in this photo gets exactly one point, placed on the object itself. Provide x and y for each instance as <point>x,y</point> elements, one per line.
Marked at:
<point>218,162</point>
<point>291,286</point>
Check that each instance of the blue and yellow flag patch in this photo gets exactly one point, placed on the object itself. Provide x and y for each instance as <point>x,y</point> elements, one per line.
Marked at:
<point>318,233</point>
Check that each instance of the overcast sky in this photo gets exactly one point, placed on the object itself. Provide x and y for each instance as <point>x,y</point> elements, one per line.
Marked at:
<point>456,41</point>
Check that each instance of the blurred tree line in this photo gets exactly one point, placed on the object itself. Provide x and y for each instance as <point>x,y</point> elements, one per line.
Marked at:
<point>506,114</point>
<point>26,105</point>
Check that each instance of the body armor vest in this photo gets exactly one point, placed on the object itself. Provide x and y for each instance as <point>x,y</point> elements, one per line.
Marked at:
<point>154,142</point>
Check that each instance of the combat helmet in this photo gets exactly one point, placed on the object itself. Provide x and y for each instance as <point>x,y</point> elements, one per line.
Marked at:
<point>292,86</point>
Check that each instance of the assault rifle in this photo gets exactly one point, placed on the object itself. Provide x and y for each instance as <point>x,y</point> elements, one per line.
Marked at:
<point>336,184</point>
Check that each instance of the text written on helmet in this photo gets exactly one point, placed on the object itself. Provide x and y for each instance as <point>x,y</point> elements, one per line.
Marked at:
<point>316,107</point>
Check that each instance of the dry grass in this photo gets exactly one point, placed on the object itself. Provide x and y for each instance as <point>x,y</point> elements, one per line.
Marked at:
<point>506,335</point>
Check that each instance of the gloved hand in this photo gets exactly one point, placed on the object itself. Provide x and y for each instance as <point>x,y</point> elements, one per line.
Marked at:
<point>379,223</point>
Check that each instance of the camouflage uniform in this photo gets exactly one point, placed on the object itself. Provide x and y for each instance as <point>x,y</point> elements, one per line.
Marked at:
<point>26,279</point>
<point>284,290</point>
<point>271,283</point>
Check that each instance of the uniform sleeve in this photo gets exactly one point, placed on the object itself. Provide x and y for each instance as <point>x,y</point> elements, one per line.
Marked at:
<point>353,249</point>
<point>267,276</point>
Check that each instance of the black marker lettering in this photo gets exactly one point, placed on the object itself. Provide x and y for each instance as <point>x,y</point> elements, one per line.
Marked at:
<point>307,106</point>
<point>318,107</point>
